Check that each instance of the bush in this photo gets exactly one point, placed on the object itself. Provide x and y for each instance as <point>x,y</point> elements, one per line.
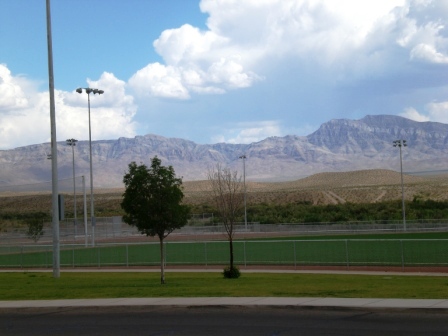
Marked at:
<point>231,273</point>
<point>35,228</point>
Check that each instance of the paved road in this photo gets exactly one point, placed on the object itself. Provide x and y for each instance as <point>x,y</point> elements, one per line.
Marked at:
<point>220,320</point>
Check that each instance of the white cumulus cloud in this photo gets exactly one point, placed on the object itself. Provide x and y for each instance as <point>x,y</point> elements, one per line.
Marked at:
<point>12,95</point>
<point>434,111</point>
<point>413,114</point>
<point>26,123</point>
<point>352,37</point>
<point>248,132</point>
<point>428,53</point>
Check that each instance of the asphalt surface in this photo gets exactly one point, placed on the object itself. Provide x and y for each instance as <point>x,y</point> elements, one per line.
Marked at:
<point>230,317</point>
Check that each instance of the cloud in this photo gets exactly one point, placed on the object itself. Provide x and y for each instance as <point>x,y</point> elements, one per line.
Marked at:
<point>27,123</point>
<point>159,80</point>
<point>437,112</point>
<point>428,53</point>
<point>196,62</point>
<point>248,132</point>
<point>347,39</point>
<point>12,95</point>
<point>413,114</point>
<point>186,44</point>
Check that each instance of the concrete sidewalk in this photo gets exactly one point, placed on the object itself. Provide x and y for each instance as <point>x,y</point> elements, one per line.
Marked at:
<point>369,303</point>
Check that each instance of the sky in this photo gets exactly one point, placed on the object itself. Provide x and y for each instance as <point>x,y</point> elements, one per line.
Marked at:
<point>210,71</point>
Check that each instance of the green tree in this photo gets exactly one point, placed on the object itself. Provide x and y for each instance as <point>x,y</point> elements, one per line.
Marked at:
<point>152,202</point>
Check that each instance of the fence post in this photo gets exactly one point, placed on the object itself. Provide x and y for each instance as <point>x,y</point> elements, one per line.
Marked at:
<point>295,259</point>
<point>347,254</point>
<point>402,255</point>
<point>99,256</point>
<point>73,256</point>
<point>127,255</point>
<point>205,252</point>
<point>245,256</point>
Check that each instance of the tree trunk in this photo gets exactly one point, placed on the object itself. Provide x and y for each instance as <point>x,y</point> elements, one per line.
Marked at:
<point>162,262</point>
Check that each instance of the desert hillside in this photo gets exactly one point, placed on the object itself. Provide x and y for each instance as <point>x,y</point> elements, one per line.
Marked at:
<point>331,188</point>
<point>363,186</point>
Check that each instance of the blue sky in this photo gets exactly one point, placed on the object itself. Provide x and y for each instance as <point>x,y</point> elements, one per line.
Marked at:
<point>219,70</point>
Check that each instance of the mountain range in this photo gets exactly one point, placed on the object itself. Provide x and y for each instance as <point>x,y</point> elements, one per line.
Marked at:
<point>338,145</point>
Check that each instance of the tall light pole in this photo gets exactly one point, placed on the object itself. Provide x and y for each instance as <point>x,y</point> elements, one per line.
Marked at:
<point>54,152</point>
<point>401,143</point>
<point>92,213</point>
<point>72,143</point>
<point>243,157</point>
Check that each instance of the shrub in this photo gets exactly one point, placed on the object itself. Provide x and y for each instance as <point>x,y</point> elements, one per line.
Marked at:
<point>35,228</point>
<point>231,273</point>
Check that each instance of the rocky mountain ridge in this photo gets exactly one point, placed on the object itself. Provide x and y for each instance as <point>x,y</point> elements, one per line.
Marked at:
<point>338,145</point>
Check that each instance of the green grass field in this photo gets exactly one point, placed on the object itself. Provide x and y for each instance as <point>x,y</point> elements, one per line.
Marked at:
<point>402,250</point>
<point>389,249</point>
<point>34,286</point>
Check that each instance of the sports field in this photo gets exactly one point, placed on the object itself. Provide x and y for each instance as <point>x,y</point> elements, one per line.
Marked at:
<point>400,250</point>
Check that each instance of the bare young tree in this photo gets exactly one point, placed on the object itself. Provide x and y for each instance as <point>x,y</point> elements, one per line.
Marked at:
<point>228,196</point>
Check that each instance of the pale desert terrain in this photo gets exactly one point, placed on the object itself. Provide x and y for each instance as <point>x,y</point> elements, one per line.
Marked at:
<point>364,186</point>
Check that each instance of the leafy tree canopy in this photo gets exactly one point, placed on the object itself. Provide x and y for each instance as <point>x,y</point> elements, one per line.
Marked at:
<point>153,198</point>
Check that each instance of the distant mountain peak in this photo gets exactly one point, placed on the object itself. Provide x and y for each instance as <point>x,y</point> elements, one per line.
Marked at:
<point>338,145</point>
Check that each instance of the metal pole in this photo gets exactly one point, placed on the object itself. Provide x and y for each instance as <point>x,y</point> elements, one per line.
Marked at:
<point>72,143</point>
<point>54,158</point>
<point>92,213</point>
<point>402,192</point>
<point>85,207</point>
<point>74,190</point>
<point>245,191</point>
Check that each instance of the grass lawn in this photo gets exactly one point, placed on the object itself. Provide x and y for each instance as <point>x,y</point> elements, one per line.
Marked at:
<point>34,286</point>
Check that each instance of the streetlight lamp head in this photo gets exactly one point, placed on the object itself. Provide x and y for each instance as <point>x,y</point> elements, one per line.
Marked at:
<point>88,90</point>
<point>79,90</point>
<point>95,91</point>
<point>71,142</point>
